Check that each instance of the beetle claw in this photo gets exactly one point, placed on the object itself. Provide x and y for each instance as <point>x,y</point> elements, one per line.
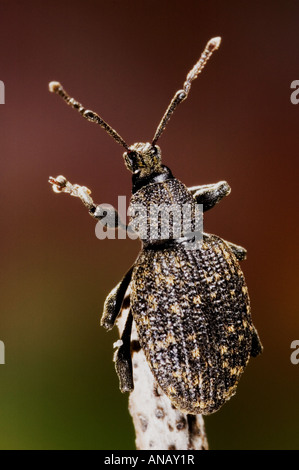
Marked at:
<point>58,184</point>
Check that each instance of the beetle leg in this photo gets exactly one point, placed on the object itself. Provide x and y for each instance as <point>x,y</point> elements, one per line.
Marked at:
<point>108,215</point>
<point>99,212</point>
<point>256,345</point>
<point>210,194</point>
<point>62,185</point>
<point>239,252</point>
<point>114,300</point>
<point>122,358</point>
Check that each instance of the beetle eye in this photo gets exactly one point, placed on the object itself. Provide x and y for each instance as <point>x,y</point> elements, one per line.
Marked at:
<point>131,158</point>
<point>132,154</point>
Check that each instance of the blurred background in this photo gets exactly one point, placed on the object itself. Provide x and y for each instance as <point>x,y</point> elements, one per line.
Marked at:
<point>125,60</point>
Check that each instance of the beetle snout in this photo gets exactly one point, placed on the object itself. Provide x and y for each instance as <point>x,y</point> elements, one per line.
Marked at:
<point>224,188</point>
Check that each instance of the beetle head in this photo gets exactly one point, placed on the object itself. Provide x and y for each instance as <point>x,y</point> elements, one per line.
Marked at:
<point>143,158</point>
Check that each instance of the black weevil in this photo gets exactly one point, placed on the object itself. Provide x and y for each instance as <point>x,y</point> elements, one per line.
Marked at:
<point>191,306</point>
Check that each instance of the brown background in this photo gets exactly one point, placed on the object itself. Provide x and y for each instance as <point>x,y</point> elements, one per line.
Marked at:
<point>125,59</point>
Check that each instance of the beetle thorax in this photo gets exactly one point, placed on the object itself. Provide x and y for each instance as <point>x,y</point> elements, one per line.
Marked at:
<point>143,158</point>
<point>158,212</point>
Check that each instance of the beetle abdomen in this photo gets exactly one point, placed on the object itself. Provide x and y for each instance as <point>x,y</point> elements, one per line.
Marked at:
<point>192,312</point>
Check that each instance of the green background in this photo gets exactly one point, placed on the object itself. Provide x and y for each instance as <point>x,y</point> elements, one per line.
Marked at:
<point>125,60</point>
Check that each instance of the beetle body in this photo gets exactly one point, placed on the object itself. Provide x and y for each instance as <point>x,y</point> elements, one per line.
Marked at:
<point>191,306</point>
<point>192,312</point>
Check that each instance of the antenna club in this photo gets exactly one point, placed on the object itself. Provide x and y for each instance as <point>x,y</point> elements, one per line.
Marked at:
<point>54,87</point>
<point>214,43</point>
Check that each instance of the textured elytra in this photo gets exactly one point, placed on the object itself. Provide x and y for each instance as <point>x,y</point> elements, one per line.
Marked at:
<point>192,313</point>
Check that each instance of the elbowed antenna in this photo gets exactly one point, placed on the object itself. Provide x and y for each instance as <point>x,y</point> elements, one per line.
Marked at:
<point>181,95</point>
<point>56,87</point>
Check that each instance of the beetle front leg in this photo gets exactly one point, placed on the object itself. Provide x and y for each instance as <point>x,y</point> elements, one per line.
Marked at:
<point>210,194</point>
<point>62,185</point>
<point>99,212</point>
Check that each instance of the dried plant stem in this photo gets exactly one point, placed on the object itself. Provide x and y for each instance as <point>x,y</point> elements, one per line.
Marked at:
<point>158,425</point>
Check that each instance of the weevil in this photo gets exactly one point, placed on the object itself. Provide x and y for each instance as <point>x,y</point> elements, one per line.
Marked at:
<point>191,306</point>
